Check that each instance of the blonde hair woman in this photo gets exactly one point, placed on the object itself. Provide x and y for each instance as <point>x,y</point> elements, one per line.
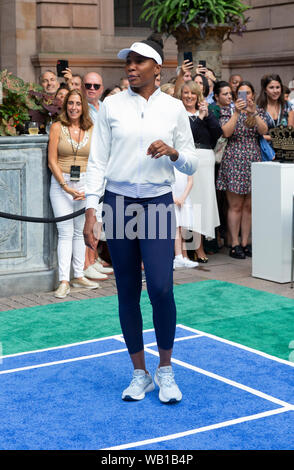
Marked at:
<point>206,131</point>
<point>68,151</point>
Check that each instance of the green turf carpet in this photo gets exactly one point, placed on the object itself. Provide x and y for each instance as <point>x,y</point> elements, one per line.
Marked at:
<point>253,318</point>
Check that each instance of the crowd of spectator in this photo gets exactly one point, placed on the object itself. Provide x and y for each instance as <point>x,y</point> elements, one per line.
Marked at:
<point>213,207</point>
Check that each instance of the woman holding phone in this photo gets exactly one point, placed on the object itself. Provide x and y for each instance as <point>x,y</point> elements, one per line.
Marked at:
<point>140,136</point>
<point>242,129</point>
<point>184,74</point>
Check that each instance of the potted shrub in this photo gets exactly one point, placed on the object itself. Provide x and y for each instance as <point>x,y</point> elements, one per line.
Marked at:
<point>22,102</point>
<point>199,26</point>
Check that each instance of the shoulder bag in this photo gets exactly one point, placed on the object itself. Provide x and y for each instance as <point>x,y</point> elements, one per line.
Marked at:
<point>267,151</point>
<point>220,148</point>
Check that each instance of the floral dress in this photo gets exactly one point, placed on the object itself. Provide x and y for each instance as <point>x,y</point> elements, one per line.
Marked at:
<point>242,149</point>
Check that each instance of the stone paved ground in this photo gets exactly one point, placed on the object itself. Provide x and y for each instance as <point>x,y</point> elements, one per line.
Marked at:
<point>220,267</point>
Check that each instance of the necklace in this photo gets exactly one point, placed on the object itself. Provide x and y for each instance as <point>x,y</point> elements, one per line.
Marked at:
<point>76,131</point>
<point>274,112</point>
<point>77,148</point>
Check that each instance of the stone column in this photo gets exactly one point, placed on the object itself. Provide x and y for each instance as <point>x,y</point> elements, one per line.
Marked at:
<point>18,37</point>
<point>8,36</point>
<point>26,32</point>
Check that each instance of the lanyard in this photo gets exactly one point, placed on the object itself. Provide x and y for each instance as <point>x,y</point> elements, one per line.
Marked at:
<point>77,148</point>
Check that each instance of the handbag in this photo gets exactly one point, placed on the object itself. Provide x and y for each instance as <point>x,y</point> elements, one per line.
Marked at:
<point>220,148</point>
<point>267,152</point>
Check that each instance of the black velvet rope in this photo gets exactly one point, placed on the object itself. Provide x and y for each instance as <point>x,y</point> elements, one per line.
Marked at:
<point>44,220</point>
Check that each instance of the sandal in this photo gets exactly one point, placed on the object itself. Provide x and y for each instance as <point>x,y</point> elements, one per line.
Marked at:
<point>202,259</point>
<point>247,250</point>
<point>237,252</point>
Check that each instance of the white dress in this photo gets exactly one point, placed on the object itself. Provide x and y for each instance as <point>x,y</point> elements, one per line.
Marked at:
<point>184,214</point>
<point>203,195</point>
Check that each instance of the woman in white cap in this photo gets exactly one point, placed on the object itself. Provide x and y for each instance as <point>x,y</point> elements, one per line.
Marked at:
<point>141,135</point>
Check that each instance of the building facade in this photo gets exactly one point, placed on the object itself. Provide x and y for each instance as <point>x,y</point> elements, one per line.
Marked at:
<point>88,33</point>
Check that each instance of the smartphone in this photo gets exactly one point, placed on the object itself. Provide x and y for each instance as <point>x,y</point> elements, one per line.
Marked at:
<point>188,56</point>
<point>242,95</point>
<point>202,63</point>
<point>60,66</point>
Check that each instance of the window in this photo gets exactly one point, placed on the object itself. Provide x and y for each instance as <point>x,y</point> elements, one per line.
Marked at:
<point>127,14</point>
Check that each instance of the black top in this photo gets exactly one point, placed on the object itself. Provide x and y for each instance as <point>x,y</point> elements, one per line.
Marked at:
<point>206,131</point>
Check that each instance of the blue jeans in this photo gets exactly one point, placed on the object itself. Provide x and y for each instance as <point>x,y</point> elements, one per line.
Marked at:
<point>135,232</point>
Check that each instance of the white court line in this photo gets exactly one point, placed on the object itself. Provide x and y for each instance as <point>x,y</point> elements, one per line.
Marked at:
<point>238,345</point>
<point>233,383</point>
<point>285,406</point>
<point>192,432</point>
<point>176,361</point>
<point>64,361</point>
<point>176,340</point>
<point>80,358</point>
<point>81,343</point>
<point>63,346</point>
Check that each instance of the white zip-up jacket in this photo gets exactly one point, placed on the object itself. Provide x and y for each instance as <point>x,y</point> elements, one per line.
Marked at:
<point>125,127</point>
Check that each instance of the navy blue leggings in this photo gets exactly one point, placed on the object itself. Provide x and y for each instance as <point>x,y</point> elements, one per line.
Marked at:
<point>137,233</point>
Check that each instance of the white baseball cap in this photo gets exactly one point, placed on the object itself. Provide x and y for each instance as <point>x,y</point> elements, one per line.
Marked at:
<point>143,49</point>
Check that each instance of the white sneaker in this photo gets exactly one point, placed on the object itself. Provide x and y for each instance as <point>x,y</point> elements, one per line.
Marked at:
<point>189,263</point>
<point>92,273</point>
<point>178,262</point>
<point>181,262</point>
<point>169,392</point>
<point>62,291</point>
<point>141,383</point>
<point>102,269</point>
<point>84,282</point>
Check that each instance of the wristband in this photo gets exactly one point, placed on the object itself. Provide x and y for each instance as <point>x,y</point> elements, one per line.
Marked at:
<point>63,184</point>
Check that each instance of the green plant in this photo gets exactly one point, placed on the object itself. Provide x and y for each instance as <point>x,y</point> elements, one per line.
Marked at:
<point>167,16</point>
<point>13,114</point>
<point>21,102</point>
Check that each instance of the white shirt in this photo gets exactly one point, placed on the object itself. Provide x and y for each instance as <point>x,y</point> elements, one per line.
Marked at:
<point>209,99</point>
<point>126,126</point>
<point>93,111</point>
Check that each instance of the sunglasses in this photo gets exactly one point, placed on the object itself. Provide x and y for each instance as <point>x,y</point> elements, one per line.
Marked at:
<point>88,86</point>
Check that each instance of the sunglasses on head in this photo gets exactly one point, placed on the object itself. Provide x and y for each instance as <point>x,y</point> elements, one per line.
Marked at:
<point>88,86</point>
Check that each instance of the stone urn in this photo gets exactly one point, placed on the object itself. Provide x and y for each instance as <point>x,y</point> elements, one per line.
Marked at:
<point>207,48</point>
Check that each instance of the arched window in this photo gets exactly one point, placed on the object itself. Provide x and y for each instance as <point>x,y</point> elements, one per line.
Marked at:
<point>127,14</point>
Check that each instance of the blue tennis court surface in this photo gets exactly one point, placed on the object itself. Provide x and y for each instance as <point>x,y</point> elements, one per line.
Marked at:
<point>69,398</point>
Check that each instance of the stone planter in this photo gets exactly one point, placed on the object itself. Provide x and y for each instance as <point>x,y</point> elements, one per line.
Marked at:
<point>27,250</point>
<point>208,48</point>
